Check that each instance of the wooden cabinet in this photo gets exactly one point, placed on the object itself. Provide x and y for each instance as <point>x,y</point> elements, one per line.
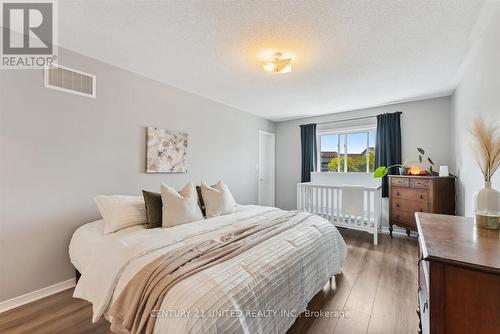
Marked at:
<point>459,276</point>
<point>410,194</point>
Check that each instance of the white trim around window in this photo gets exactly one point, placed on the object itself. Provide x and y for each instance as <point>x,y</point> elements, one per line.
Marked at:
<point>344,132</point>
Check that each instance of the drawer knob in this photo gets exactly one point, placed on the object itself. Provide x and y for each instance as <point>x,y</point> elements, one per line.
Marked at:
<point>398,193</point>
<point>426,305</point>
<point>421,197</point>
<point>397,205</point>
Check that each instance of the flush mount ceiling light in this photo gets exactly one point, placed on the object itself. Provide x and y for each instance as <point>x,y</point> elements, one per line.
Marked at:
<point>279,64</point>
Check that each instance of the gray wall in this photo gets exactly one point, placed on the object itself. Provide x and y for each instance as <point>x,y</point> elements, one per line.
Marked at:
<point>59,150</point>
<point>476,94</point>
<point>424,123</point>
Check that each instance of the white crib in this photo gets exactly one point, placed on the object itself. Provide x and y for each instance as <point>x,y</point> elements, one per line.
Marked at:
<point>323,197</point>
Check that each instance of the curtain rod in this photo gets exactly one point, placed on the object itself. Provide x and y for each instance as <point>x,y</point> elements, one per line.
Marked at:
<point>353,119</point>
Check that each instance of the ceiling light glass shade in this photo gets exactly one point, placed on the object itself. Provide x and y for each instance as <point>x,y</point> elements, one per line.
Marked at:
<point>278,64</point>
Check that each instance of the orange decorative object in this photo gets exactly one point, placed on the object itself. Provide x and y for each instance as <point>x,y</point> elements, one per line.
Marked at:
<point>414,170</point>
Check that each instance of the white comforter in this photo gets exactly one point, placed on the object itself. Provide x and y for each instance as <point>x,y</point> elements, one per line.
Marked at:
<point>259,291</point>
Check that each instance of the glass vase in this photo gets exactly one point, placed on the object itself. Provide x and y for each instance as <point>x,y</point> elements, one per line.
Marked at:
<point>487,207</point>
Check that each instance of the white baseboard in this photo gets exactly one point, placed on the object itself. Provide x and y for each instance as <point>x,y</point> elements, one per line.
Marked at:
<point>35,295</point>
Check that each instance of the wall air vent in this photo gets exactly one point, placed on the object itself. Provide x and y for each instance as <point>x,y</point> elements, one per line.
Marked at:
<point>69,80</point>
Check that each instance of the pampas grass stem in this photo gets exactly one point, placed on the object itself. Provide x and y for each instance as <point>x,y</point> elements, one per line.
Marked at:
<point>486,145</point>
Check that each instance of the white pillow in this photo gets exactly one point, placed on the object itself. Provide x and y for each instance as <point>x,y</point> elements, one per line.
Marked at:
<point>180,207</point>
<point>121,211</point>
<point>218,200</point>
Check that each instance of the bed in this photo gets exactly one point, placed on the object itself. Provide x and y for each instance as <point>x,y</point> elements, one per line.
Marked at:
<point>261,290</point>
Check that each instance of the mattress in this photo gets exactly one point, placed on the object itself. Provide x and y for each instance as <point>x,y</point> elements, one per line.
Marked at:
<point>88,239</point>
<point>259,291</point>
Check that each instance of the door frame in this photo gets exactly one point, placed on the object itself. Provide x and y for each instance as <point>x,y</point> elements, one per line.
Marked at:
<point>273,135</point>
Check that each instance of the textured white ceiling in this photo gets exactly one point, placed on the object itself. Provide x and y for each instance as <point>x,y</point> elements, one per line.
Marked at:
<point>348,54</point>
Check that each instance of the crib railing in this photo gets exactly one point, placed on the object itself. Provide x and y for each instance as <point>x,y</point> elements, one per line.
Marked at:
<point>326,201</point>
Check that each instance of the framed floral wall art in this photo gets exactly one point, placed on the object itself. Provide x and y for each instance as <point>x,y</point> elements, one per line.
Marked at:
<point>166,151</point>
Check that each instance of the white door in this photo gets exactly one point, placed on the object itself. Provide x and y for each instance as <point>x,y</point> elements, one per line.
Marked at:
<point>266,168</point>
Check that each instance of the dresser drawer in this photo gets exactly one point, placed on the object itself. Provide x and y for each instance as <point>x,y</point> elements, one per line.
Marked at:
<point>400,182</point>
<point>398,192</point>
<point>401,204</point>
<point>419,207</point>
<point>410,206</point>
<point>403,217</point>
<point>420,195</point>
<point>420,183</point>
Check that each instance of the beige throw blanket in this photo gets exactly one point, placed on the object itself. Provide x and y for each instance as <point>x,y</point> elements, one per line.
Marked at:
<point>144,294</point>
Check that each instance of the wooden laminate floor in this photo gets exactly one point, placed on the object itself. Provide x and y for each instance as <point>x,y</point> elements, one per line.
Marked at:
<point>376,292</point>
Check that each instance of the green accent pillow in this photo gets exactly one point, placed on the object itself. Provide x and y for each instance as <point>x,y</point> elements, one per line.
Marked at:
<point>154,206</point>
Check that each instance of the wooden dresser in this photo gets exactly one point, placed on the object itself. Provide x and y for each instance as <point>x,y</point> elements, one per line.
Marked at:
<point>459,276</point>
<point>410,194</point>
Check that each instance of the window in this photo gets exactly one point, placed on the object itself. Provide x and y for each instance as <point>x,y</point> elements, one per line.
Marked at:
<point>347,151</point>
